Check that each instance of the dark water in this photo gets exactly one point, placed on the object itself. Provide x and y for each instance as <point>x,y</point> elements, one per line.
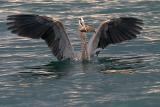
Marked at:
<point>124,75</point>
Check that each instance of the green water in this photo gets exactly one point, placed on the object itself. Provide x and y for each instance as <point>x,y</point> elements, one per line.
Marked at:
<point>124,75</point>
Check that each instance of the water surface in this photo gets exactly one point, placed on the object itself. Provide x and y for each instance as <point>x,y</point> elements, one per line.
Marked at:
<point>124,75</point>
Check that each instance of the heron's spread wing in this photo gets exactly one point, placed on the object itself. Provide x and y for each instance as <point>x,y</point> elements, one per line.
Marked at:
<point>114,31</point>
<point>35,26</point>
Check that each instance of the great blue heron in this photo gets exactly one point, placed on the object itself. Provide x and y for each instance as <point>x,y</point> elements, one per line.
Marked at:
<point>112,31</point>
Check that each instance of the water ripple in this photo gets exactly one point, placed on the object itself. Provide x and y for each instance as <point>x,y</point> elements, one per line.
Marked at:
<point>126,72</point>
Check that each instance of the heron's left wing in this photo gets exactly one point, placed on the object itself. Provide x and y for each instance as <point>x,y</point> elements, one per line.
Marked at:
<point>114,31</point>
<point>46,28</point>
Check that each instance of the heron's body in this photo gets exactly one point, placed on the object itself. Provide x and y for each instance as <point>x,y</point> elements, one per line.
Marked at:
<point>115,30</point>
<point>84,46</point>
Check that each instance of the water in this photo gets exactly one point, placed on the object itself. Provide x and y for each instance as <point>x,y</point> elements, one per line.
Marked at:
<point>124,75</point>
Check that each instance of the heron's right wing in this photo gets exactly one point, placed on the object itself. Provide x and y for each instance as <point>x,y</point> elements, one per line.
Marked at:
<point>52,31</point>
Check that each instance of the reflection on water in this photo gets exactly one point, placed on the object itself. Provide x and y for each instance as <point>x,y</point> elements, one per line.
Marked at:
<point>108,65</point>
<point>55,69</point>
<point>124,75</point>
<point>73,82</point>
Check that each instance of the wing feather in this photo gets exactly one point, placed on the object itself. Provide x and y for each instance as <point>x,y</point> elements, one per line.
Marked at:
<point>36,27</point>
<point>114,31</point>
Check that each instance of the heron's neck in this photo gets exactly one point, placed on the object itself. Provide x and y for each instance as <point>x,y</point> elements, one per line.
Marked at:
<point>84,53</point>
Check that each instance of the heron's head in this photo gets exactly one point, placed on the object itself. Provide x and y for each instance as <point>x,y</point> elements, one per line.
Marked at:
<point>81,22</point>
<point>84,27</point>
